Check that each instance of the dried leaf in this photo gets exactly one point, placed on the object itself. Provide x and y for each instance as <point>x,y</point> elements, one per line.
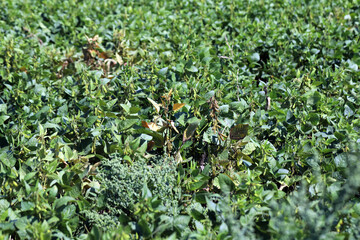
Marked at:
<point>168,95</point>
<point>173,126</point>
<point>268,104</point>
<point>144,124</point>
<point>94,39</point>
<point>178,106</point>
<point>178,157</point>
<point>119,59</point>
<point>150,146</point>
<point>239,131</point>
<point>102,55</point>
<point>152,126</point>
<point>156,105</point>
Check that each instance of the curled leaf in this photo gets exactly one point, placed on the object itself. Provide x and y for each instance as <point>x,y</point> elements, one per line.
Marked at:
<point>173,126</point>
<point>155,104</point>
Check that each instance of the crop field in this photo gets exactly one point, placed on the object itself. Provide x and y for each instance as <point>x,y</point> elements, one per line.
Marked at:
<point>179,119</point>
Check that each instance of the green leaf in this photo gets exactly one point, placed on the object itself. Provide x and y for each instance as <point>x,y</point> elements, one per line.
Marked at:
<point>208,95</point>
<point>4,205</point>
<point>314,98</point>
<point>163,71</point>
<point>241,156</point>
<point>126,124</point>
<point>255,57</point>
<point>192,69</point>
<point>196,214</point>
<point>144,229</point>
<point>198,185</point>
<point>239,105</point>
<point>22,223</point>
<point>3,118</point>
<point>181,222</point>
<point>3,108</point>
<point>91,120</point>
<point>348,112</point>
<point>63,201</point>
<point>249,148</point>
<point>27,206</point>
<point>226,184</point>
<point>157,137</point>
<point>314,118</point>
<point>7,158</point>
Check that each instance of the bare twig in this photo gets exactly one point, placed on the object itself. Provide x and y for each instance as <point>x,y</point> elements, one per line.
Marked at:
<point>225,57</point>
<point>33,35</point>
<point>227,42</point>
<point>268,100</point>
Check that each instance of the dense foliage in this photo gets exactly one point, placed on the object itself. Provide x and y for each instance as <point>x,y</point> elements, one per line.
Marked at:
<point>179,119</point>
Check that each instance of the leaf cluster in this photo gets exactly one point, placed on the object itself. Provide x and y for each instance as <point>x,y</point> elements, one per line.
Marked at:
<point>179,119</point>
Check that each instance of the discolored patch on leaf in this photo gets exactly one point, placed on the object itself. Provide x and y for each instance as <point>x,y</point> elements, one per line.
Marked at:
<point>190,130</point>
<point>239,131</point>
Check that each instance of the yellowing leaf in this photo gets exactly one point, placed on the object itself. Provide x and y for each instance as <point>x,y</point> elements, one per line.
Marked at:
<point>170,92</point>
<point>156,105</point>
<point>190,130</point>
<point>178,106</point>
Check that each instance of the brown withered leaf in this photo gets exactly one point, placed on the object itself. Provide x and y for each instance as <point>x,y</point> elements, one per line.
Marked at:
<point>178,106</point>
